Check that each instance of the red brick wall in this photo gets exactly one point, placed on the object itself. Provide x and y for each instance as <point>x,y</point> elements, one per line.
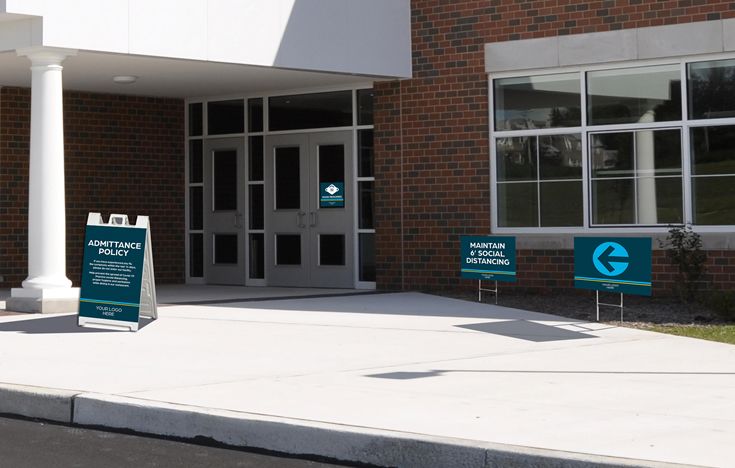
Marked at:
<point>432,155</point>
<point>123,155</point>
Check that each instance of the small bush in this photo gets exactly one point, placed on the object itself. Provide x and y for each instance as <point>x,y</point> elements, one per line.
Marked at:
<point>684,248</point>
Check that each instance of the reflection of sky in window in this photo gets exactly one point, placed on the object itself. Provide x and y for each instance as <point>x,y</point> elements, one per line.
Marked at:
<point>562,83</point>
<point>527,102</point>
<point>637,83</point>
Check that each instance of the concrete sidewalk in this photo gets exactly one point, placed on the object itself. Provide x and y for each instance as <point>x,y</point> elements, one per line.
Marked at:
<point>391,379</point>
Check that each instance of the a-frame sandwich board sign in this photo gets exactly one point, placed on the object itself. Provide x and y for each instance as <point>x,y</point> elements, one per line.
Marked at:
<point>118,282</point>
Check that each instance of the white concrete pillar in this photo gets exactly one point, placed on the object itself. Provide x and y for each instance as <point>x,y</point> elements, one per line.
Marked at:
<point>47,289</point>
<point>645,153</point>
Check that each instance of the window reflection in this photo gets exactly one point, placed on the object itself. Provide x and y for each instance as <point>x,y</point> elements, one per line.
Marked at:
<point>518,205</point>
<point>634,95</point>
<point>537,102</point>
<point>636,177</point>
<point>561,203</point>
<point>560,157</point>
<point>613,201</point>
<point>713,200</point>
<point>516,158</point>
<point>713,150</point>
<point>713,170</point>
<point>711,89</point>
<point>540,181</point>
<point>635,166</point>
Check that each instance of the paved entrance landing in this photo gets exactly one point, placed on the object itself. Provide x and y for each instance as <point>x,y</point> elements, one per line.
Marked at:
<point>191,294</point>
<point>213,294</point>
<point>401,379</point>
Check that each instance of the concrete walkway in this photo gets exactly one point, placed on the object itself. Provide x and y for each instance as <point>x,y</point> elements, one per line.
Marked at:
<point>392,379</point>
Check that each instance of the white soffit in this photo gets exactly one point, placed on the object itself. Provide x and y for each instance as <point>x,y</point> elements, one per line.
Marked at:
<point>93,72</point>
<point>676,40</point>
<point>338,36</point>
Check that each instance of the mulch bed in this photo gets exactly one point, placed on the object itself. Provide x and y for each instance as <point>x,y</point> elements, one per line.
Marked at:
<point>637,309</point>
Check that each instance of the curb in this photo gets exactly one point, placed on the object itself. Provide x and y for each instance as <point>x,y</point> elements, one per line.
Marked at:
<point>37,402</point>
<point>291,436</point>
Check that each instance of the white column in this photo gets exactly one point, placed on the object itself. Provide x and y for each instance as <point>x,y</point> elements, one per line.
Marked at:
<point>47,289</point>
<point>646,166</point>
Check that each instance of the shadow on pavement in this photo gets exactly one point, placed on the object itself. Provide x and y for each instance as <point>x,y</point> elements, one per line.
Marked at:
<point>265,298</point>
<point>530,331</point>
<point>56,325</point>
<point>407,375</point>
<point>389,303</point>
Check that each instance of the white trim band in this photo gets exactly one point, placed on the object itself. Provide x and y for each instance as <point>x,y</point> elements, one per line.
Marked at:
<point>705,37</point>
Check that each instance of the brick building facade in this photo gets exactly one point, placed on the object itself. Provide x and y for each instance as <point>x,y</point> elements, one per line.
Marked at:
<point>433,136</point>
<point>437,147</point>
<point>123,155</point>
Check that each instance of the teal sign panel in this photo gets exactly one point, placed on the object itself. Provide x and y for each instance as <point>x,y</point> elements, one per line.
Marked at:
<point>613,264</point>
<point>112,273</point>
<point>488,258</point>
<point>332,195</point>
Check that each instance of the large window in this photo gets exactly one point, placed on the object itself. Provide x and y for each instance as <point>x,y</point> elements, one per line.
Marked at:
<point>616,147</point>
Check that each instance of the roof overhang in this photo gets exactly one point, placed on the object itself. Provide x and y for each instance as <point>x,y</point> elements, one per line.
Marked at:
<point>186,48</point>
<point>165,77</point>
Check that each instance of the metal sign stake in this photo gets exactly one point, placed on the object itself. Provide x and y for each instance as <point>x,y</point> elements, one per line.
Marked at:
<point>597,295</point>
<point>480,289</point>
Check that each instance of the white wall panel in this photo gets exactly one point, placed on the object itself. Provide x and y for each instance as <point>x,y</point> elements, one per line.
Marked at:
<point>79,24</point>
<point>246,31</point>
<point>20,33</point>
<point>381,32</point>
<point>318,33</point>
<point>25,7</point>
<point>351,36</point>
<point>169,28</point>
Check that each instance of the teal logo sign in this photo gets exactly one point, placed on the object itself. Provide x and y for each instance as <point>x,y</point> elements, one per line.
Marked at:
<point>620,265</point>
<point>332,195</point>
<point>112,273</point>
<point>488,258</point>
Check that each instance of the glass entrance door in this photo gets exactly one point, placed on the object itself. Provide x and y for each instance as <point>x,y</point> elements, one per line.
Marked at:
<point>224,202</point>
<point>310,209</point>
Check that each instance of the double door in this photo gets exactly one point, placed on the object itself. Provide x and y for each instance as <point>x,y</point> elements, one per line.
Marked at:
<point>309,207</point>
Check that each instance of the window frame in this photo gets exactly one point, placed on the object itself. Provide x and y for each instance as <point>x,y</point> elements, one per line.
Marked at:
<point>685,125</point>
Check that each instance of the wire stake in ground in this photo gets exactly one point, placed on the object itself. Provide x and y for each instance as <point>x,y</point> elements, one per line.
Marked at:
<point>597,296</point>
<point>480,289</point>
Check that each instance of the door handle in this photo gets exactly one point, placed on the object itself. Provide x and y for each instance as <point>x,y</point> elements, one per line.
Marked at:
<point>300,219</point>
<point>314,218</point>
<point>238,220</point>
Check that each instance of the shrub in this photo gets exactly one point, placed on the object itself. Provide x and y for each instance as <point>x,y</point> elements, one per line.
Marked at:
<point>684,248</point>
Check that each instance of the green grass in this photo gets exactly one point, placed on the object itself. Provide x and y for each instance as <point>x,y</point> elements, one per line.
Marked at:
<point>721,333</point>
